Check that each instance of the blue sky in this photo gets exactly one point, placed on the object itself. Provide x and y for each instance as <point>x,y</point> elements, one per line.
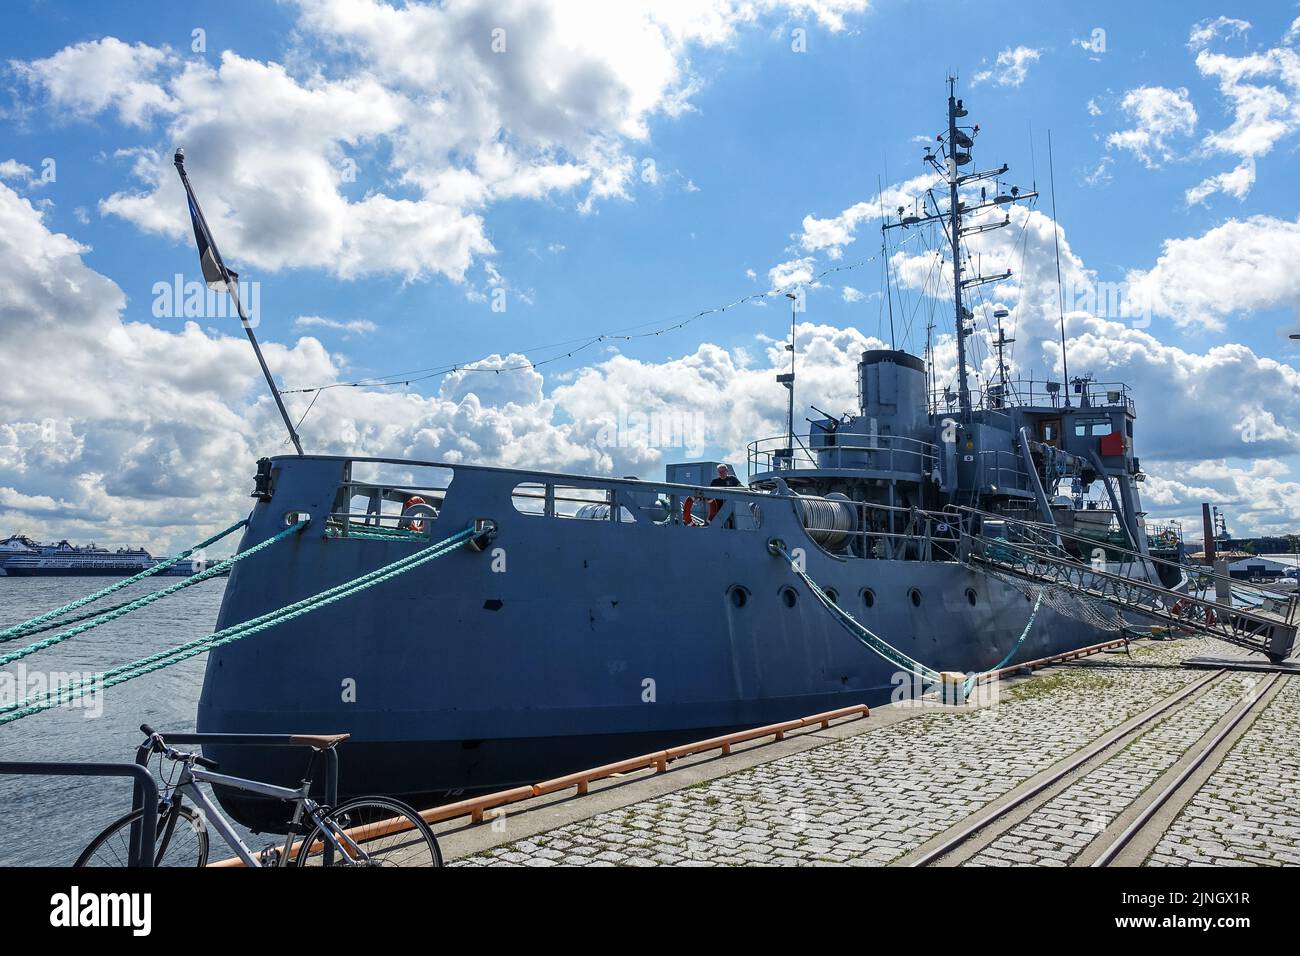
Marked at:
<point>746,139</point>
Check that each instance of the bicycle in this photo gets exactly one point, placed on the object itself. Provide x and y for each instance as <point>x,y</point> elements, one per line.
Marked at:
<point>363,831</point>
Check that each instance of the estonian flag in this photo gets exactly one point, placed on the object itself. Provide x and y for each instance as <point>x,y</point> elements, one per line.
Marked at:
<point>212,266</point>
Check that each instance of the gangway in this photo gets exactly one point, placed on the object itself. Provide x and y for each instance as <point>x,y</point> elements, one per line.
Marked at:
<point>1029,553</point>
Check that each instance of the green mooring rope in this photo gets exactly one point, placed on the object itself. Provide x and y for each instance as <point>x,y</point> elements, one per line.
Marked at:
<point>970,682</point>
<point>182,652</point>
<point>33,626</point>
<point>872,641</point>
<point>147,599</point>
<point>894,655</point>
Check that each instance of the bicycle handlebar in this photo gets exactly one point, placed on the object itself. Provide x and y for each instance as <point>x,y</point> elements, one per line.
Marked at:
<point>158,745</point>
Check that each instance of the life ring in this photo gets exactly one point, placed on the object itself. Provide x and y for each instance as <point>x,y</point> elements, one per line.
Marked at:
<point>687,505</point>
<point>415,505</point>
<point>1186,610</point>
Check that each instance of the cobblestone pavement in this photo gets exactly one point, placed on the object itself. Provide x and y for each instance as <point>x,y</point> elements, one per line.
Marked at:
<point>1245,814</point>
<point>871,798</point>
<point>1057,832</point>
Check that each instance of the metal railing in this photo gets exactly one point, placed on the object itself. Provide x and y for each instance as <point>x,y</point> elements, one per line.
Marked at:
<point>1022,392</point>
<point>144,798</point>
<point>344,521</point>
<point>1005,469</point>
<point>844,450</point>
<point>1031,550</point>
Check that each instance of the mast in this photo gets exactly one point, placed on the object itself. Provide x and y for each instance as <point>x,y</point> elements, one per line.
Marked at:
<point>955,148</point>
<point>954,158</point>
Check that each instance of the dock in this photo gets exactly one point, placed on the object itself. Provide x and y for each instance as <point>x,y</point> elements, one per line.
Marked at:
<point>1128,758</point>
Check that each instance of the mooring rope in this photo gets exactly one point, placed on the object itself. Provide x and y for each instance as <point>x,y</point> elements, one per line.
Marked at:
<point>34,625</point>
<point>865,636</point>
<point>175,655</point>
<point>892,654</point>
<point>970,682</point>
<point>124,609</point>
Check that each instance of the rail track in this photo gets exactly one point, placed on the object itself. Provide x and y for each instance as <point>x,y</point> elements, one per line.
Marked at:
<point>1130,836</point>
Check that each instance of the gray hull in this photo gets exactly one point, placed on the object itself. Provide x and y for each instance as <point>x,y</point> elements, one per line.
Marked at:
<point>592,640</point>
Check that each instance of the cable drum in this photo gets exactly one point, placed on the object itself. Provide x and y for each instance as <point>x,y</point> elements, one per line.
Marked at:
<point>829,521</point>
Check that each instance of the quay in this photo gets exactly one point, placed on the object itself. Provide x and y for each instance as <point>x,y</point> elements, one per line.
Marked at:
<point>1061,767</point>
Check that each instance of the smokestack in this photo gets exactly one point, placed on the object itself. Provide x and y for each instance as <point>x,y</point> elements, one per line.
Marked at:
<point>1208,523</point>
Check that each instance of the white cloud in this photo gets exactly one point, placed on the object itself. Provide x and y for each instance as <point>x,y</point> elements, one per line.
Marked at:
<point>437,111</point>
<point>1262,93</point>
<point>1236,182</point>
<point>791,273</point>
<point>1239,266</point>
<point>1206,31</point>
<point>850,294</point>
<point>1011,67</point>
<point>831,235</point>
<point>1158,114</point>
<point>11,169</point>
<point>350,327</point>
<point>88,78</point>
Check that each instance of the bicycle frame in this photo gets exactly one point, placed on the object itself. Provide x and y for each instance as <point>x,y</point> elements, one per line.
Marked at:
<point>336,840</point>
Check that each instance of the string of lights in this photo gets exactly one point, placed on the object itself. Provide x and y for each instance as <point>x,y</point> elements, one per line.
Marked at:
<point>624,334</point>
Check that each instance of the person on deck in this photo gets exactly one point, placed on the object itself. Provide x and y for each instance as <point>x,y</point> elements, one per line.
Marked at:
<point>725,479</point>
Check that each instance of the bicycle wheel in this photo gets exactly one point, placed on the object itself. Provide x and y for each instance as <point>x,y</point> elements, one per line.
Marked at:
<point>187,846</point>
<point>388,832</point>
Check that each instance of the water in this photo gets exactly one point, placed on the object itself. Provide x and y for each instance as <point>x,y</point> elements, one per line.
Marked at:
<point>48,821</point>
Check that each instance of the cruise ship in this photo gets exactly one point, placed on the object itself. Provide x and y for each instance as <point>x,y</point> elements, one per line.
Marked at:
<point>21,557</point>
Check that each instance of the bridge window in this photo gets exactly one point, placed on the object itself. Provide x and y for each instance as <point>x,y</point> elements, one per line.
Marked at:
<point>1092,426</point>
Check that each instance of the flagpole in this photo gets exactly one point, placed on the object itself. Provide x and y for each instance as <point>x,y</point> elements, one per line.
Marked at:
<point>233,289</point>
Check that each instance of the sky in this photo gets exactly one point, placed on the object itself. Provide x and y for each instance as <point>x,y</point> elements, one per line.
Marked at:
<point>515,213</point>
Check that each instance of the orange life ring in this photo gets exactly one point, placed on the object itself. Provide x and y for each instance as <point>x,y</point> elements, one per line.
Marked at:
<point>687,505</point>
<point>414,524</point>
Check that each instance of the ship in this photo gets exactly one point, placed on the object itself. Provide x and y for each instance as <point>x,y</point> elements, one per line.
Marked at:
<point>599,618</point>
<point>22,557</point>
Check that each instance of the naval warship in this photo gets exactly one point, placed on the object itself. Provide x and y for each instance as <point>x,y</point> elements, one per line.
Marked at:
<point>609,617</point>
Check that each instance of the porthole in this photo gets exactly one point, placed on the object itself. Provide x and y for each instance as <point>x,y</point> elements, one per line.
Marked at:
<point>739,595</point>
<point>914,596</point>
<point>833,595</point>
<point>788,597</point>
<point>971,597</point>
<point>868,597</point>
